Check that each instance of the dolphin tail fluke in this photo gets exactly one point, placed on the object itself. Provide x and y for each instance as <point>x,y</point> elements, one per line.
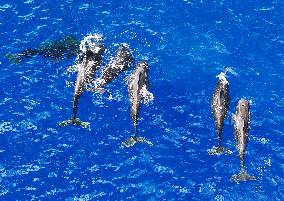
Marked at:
<point>75,121</point>
<point>219,150</point>
<point>242,176</point>
<point>133,140</point>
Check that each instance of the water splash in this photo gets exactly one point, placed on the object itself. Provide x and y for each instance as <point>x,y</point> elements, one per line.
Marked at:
<point>146,95</point>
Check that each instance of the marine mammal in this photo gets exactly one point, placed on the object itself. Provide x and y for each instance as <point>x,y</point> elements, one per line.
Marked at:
<point>220,106</point>
<point>116,66</point>
<point>241,128</point>
<point>88,61</point>
<point>138,82</point>
<point>67,46</point>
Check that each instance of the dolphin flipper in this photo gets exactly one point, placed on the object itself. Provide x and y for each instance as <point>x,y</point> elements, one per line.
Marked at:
<point>133,140</point>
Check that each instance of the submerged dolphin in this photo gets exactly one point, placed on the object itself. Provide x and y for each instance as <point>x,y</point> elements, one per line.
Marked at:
<point>137,91</point>
<point>88,61</point>
<point>241,127</point>
<point>67,46</point>
<point>116,66</point>
<point>220,106</point>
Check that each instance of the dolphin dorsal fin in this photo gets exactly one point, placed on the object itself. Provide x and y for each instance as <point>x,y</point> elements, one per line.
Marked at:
<point>221,97</point>
<point>140,80</point>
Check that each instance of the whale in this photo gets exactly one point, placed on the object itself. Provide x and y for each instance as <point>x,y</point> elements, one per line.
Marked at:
<point>219,106</point>
<point>138,83</point>
<point>88,61</point>
<point>241,130</point>
<point>118,64</point>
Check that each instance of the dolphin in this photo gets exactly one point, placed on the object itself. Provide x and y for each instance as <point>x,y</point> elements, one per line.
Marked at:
<point>88,62</point>
<point>137,91</point>
<point>116,66</point>
<point>67,46</point>
<point>220,106</point>
<point>241,128</point>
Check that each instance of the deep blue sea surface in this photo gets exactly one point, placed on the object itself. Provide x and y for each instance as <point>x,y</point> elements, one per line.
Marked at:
<point>187,43</point>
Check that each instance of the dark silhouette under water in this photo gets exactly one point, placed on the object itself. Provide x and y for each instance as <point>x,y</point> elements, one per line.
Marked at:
<point>64,47</point>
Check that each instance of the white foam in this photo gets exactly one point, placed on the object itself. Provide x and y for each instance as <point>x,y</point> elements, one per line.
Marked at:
<point>72,69</point>
<point>231,70</point>
<point>146,95</point>
<point>91,41</point>
<point>6,126</point>
<point>222,78</point>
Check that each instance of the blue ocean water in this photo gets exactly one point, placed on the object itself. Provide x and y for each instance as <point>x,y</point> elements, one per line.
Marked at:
<point>187,43</point>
